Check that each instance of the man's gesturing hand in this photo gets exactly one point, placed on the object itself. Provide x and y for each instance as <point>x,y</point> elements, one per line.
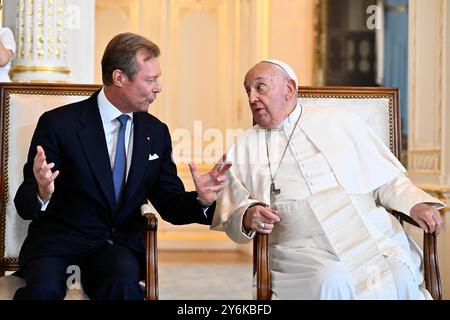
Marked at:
<point>209,186</point>
<point>44,175</point>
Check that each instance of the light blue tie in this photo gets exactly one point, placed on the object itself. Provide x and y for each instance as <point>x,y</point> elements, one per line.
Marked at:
<point>120,158</point>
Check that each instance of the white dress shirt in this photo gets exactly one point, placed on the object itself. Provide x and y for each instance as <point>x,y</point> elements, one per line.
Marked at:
<point>109,114</point>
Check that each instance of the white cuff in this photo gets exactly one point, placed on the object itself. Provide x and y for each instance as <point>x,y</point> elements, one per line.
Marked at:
<point>205,209</point>
<point>250,234</point>
<point>437,205</point>
<point>43,203</point>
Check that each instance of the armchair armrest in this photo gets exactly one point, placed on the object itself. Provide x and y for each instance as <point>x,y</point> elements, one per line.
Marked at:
<point>151,252</point>
<point>261,266</point>
<point>405,218</point>
<point>431,263</point>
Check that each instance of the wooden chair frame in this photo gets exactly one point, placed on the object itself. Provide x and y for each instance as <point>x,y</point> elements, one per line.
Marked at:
<point>150,222</point>
<point>261,261</point>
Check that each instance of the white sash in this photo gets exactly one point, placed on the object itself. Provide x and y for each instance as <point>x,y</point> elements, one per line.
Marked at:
<point>353,244</point>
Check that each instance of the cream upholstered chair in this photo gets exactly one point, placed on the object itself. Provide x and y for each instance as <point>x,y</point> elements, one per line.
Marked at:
<point>21,105</point>
<point>379,107</point>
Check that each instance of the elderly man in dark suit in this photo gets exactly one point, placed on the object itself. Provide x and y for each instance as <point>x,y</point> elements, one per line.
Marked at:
<point>90,166</point>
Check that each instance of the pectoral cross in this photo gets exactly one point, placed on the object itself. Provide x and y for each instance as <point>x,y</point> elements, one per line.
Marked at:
<point>273,193</point>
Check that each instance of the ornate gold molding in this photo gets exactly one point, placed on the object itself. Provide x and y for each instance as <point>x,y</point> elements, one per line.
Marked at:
<point>53,69</point>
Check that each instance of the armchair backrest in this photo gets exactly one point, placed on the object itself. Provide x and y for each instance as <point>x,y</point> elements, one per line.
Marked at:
<point>379,107</point>
<point>21,105</point>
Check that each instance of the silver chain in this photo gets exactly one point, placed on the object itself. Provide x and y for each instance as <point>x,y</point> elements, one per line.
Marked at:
<point>272,177</point>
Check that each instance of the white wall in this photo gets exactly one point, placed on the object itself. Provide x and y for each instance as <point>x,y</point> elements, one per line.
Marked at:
<point>81,45</point>
<point>429,108</point>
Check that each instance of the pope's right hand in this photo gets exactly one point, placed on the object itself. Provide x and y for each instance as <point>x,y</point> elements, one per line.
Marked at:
<point>44,175</point>
<point>260,218</point>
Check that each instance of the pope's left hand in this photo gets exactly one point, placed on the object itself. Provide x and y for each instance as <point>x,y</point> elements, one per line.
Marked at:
<point>427,217</point>
<point>210,185</point>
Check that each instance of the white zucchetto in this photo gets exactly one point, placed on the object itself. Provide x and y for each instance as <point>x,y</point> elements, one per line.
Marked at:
<point>285,67</point>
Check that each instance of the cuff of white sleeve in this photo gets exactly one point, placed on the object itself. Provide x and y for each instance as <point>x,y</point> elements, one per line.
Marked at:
<point>437,205</point>
<point>205,209</point>
<point>249,235</point>
<point>43,203</point>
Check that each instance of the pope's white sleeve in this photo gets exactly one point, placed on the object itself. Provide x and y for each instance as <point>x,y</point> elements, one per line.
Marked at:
<point>231,207</point>
<point>401,195</point>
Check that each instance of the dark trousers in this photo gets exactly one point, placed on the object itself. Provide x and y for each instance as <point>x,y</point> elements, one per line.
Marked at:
<point>107,272</point>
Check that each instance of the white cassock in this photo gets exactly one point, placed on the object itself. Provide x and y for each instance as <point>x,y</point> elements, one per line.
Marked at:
<point>335,240</point>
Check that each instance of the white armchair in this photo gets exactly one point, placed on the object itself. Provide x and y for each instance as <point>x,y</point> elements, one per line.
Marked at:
<point>21,105</point>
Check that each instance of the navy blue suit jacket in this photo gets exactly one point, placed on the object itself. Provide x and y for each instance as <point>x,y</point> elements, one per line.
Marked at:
<point>82,212</point>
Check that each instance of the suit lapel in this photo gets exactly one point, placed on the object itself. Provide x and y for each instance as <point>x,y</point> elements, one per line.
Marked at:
<point>141,148</point>
<point>92,138</point>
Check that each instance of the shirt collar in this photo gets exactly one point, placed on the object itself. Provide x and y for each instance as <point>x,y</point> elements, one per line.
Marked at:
<point>291,118</point>
<point>108,111</point>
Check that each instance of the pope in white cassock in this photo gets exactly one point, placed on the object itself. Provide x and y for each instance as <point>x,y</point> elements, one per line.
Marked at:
<point>318,181</point>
